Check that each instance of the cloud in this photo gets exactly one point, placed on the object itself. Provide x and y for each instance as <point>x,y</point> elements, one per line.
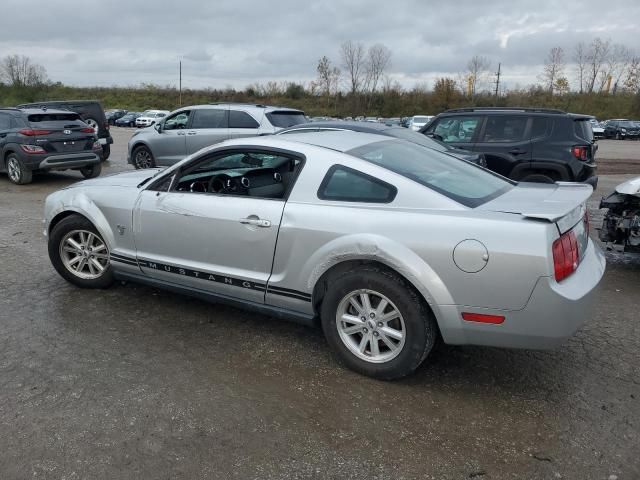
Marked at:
<point>246,41</point>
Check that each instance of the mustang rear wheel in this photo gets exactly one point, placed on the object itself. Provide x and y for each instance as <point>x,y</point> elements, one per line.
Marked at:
<point>377,324</point>
<point>79,254</point>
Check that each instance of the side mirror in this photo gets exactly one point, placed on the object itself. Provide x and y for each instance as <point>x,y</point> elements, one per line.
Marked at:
<point>158,127</point>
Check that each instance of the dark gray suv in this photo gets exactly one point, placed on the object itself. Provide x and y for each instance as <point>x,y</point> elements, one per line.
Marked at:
<point>42,140</point>
<point>523,144</point>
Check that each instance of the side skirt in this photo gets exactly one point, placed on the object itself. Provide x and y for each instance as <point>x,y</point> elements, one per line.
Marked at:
<point>277,312</point>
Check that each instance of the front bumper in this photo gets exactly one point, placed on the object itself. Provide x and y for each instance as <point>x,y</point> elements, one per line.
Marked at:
<point>554,312</point>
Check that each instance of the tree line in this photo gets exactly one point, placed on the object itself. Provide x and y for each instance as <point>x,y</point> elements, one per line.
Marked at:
<point>601,78</point>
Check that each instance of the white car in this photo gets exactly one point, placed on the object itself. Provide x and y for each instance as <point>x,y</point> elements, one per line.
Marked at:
<point>150,117</point>
<point>597,128</point>
<point>419,121</point>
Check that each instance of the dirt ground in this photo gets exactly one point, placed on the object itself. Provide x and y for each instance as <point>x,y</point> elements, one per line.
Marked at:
<point>132,382</point>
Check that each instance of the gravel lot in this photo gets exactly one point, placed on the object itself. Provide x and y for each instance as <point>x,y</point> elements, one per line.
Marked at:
<point>136,383</point>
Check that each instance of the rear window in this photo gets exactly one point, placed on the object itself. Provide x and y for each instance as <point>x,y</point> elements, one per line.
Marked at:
<point>284,119</point>
<point>583,130</point>
<point>462,182</point>
<point>53,117</point>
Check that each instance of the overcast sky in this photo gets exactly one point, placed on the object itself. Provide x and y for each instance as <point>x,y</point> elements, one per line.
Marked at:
<point>224,43</point>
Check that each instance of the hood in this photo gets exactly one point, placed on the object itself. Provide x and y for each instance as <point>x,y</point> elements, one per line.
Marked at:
<point>124,179</point>
<point>543,201</point>
<point>630,187</point>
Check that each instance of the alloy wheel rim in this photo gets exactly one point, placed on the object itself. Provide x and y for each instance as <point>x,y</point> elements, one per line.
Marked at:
<point>84,254</point>
<point>13,170</point>
<point>370,326</point>
<point>143,159</point>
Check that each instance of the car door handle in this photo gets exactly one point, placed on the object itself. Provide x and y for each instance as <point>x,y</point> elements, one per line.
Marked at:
<point>181,133</point>
<point>192,132</point>
<point>517,151</point>
<point>256,222</point>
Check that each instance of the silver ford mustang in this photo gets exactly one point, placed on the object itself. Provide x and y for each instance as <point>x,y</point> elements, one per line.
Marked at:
<point>387,244</point>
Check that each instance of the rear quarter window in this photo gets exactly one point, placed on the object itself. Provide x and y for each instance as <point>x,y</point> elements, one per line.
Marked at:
<point>345,184</point>
<point>583,130</point>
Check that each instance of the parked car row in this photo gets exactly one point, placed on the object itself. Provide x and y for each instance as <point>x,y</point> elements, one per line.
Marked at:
<point>621,129</point>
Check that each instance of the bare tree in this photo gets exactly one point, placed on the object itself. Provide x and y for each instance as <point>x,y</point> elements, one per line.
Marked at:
<point>353,62</point>
<point>20,71</point>
<point>477,69</point>
<point>580,61</point>
<point>378,60</point>
<point>328,77</point>
<point>618,64</point>
<point>632,79</point>
<point>596,56</point>
<point>553,68</point>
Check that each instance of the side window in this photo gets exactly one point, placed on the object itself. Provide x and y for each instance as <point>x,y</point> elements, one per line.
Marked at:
<point>5,121</point>
<point>456,129</point>
<point>540,127</point>
<point>210,118</point>
<point>238,119</point>
<point>348,185</point>
<point>177,121</point>
<point>245,173</point>
<point>505,128</point>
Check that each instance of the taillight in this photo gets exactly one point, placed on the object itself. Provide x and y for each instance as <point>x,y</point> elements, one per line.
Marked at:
<point>580,152</point>
<point>88,130</point>
<point>30,132</point>
<point>32,149</point>
<point>565,255</point>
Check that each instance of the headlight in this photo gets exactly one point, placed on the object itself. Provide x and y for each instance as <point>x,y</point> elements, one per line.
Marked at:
<point>623,130</point>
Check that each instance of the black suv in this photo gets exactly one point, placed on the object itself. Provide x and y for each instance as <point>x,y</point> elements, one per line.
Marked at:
<point>621,129</point>
<point>90,111</point>
<point>524,144</point>
<point>43,139</point>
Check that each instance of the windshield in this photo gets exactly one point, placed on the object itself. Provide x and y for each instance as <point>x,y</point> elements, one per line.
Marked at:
<point>462,182</point>
<point>420,119</point>
<point>285,119</point>
<point>627,124</point>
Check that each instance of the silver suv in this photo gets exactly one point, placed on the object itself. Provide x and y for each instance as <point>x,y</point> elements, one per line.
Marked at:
<point>190,129</point>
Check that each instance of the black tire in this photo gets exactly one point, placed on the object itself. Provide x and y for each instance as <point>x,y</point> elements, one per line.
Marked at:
<point>537,178</point>
<point>142,158</point>
<point>106,152</point>
<point>17,171</point>
<point>91,171</point>
<point>57,236</point>
<point>420,326</point>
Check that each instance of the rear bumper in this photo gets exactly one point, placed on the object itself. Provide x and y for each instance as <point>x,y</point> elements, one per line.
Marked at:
<point>60,162</point>
<point>554,312</point>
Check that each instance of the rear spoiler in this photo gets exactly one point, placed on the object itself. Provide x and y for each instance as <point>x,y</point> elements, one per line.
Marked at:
<point>565,204</point>
<point>561,206</point>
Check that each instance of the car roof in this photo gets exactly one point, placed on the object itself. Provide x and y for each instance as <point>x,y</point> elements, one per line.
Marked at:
<point>33,111</point>
<point>225,105</point>
<point>341,141</point>
<point>370,127</point>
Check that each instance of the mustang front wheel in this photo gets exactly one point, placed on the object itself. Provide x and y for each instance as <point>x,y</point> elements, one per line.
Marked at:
<point>377,323</point>
<point>79,254</point>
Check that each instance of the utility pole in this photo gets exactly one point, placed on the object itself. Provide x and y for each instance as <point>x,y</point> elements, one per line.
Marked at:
<point>180,68</point>
<point>497,80</point>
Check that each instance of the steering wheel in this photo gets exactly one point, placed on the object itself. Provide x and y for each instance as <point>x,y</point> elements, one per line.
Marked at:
<point>221,184</point>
